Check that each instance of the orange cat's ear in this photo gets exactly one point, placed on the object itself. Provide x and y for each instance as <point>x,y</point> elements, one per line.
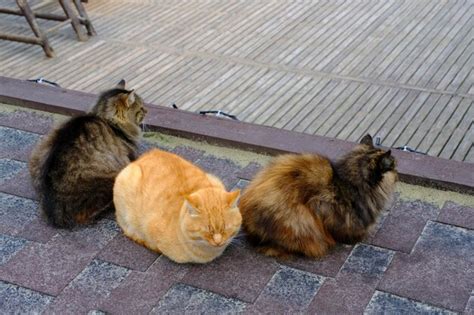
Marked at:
<point>233,198</point>
<point>191,208</point>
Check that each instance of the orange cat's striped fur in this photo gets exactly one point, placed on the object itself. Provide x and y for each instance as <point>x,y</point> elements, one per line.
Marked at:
<point>304,204</point>
<point>171,206</point>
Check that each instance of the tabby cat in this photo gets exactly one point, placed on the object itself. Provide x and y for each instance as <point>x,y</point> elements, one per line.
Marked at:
<point>304,203</point>
<point>74,167</point>
<point>171,206</point>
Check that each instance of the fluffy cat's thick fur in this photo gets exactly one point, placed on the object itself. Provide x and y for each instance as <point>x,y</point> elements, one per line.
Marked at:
<point>171,206</point>
<point>74,167</point>
<point>304,204</point>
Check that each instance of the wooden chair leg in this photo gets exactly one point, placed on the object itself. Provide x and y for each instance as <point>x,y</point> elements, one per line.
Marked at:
<point>82,12</point>
<point>30,17</point>
<point>76,24</point>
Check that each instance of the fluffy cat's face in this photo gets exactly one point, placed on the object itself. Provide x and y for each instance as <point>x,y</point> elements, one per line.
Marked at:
<point>212,217</point>
<point>121,104</point>
<point>369,163</point>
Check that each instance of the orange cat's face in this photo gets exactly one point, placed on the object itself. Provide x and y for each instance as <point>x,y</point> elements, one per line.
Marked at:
<point>212,217</point>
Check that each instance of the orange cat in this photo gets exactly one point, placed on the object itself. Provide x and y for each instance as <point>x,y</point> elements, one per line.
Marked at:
<point>171,206</point>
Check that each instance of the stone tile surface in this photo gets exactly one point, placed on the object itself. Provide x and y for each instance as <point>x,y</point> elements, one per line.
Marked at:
<point>9,246</point>
<point>395,233</point>
<point>440,271</point>
<point>86,291</point>
<point>368,261</point>
<point>386,303</point>
<point>455,214</point>
<point>19,185</point>
<point>17,144</point>
<point>140,292</point>
<point>184,299</point>
<point>18,300</point>
<point>16,213</point>
<point>9,169</point>
<point>289,291</point>
<point>242,273</point>
<point>27,121</point>
<point>124,252</point>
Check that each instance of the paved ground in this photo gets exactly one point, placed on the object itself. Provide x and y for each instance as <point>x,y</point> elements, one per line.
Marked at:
<point>402,70</point>
<point>420,259</point>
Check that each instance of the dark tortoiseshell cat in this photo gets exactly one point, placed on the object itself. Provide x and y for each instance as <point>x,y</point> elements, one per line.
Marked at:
<point>304,204</point>
<point>73,169</point>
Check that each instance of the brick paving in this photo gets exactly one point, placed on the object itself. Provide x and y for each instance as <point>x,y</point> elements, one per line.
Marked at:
<point>420,259</point>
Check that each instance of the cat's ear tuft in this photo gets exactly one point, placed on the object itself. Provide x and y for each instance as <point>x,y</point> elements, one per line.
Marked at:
<point>122,84</point>
<point>233,198</point>
<point>192,210</point>
<point>367,140</point>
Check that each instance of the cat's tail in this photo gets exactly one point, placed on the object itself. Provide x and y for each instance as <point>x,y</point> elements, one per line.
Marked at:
<point>52,208</point>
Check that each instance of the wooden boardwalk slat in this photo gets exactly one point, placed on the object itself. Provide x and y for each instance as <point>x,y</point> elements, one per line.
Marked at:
<point>401,70</point>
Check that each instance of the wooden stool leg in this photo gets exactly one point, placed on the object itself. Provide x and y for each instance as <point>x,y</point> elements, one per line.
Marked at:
<point>82,12</point>
<point>76,24</point>
<point>30,17</point>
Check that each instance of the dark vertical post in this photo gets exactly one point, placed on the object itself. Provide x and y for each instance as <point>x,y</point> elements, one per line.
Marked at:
<point>82,12</point>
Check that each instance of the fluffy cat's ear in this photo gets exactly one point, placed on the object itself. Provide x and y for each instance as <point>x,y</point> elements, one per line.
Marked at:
<point>387,162</point>
<point>367,140</point>
<point>233,198</point>
<point>122,84</point>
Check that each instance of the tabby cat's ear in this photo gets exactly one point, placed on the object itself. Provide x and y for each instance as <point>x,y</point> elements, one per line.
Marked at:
<point>367,140</point>
<point>121,84</point>
<point>130,98</point>
<point>233,198</point>
<point>387,162</point>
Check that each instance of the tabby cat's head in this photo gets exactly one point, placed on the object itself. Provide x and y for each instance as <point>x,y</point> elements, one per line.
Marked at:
<point>367,164</point>
<point>212,217</point>
<point>120,105</point>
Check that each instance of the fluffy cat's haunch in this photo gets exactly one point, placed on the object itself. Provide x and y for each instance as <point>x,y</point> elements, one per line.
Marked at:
<point>304,204</point>
<point>73,169</point>
<point>171,206</point>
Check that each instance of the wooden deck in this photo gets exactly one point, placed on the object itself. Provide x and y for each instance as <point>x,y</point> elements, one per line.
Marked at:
<point>401,70</point>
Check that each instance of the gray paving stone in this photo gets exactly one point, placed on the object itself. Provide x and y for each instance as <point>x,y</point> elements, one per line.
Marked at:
<point>18,300</point>
<point>141,291</point>
<point>9,246</point>
<point>124,252</point>
<point>16,213</point>
<point>455,214</point>
<point>404,224</point>
<point>386,303</point>
<point>16,144</point>
<point>241,272</point>
<point>85,292</point>
<point>249,171</point>
<point>241,184</point>
<point>20,185</point>
<point>9,169</point>
<point>184,299</point>
<point>28,121</point>
<point>439,271</point>
<point>38,230</point>
<point>224,169</point>
<point>289,291</point>
<point>50,267</point>
<point>327,266</point>
<point>367,260</point>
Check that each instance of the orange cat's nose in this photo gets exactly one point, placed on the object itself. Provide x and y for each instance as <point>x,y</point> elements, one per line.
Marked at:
<point>217,238</point>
